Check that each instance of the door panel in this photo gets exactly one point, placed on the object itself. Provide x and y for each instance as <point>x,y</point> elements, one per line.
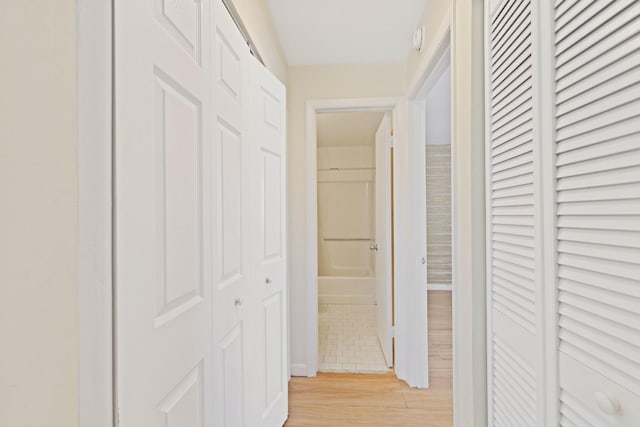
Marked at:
<point>383,238</point>
<point>269,133</point>
<point>163,328</point>
<point>231,385</point>
<point>183,406</point>
<point>200,218</point>
<point>232,234</point>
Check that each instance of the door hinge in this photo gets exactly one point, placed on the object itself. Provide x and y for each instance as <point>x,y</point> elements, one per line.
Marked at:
<point>392,330</point>
<point>390,141</point>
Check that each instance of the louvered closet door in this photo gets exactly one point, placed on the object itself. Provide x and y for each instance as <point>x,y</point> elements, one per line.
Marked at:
<point>598,211</point>
<point>514,273</point>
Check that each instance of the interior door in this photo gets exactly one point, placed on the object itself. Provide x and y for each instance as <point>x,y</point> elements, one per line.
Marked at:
<point>514,220</point>
<point>269,315</point>
<point>383,238</point>
<point>163,319</point>
<point>232,233</point>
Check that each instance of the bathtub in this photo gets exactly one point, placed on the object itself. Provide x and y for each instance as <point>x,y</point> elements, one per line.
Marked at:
<point>346,290</point>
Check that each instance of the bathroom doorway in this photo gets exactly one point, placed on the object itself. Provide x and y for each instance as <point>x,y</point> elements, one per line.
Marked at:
<point>401,325</point>
<point>354,241</point>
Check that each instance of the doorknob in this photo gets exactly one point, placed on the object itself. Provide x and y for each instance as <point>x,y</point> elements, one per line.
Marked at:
<point>267,280</point>
<point>374,247</point>
<point>238,302</point>
<point>607,404</point>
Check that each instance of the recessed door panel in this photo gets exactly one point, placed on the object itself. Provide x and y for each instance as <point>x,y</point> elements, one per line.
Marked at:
<point>232,377</point>
<point>177,145</point>
<point>182,19</point>
<point>272,198</point>
<point>183,406</point>
<point>273,340</point>
<point>231,168</point>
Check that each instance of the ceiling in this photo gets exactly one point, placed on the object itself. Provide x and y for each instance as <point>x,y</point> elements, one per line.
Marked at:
<point>316,32</point>
<point>347,129</point>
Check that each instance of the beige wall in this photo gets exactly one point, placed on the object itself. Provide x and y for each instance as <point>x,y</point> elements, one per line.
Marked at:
<point>434,14</point>
<point>38,219</point>
<point>256,18</point>
<point>318,82</point>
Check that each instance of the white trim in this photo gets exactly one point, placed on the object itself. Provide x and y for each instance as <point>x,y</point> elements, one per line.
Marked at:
<point>544,44</point>
<point>299,370</point>
<point>439,287</point>
<point>539,117</point>
<point>95,358</point>
<point>312,107</point>
<point>434,65</point>
<point>312,242</point>
<point>488,12</point>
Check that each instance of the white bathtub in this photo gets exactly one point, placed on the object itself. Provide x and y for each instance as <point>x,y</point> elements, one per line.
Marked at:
<point>346,290</point>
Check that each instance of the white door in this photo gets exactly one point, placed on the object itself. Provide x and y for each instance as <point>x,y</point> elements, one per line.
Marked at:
<point>268,290</point>
<point>596,145</point>
<point>232,235</point>
<point>382,245</point>
<point>162,274</point>
<point>515,272</point>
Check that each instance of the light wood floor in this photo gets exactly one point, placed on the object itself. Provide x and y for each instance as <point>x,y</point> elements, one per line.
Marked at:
<point>382,400</point>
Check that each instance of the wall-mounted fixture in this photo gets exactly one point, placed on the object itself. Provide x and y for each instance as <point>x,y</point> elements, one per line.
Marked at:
<point>418,38</point>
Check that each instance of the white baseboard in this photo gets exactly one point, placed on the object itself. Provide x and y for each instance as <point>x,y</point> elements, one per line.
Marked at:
<point>347,299</point>
<point>298,370</point>
<point>439,287</point>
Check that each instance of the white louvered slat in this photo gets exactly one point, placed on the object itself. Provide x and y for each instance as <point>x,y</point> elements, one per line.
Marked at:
<point>513,220</point>
<point>597,146</point>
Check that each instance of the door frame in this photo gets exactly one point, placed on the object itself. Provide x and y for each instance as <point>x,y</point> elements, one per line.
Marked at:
<point>95,202</point>
<point>407,363</point>
<point>467,204</point>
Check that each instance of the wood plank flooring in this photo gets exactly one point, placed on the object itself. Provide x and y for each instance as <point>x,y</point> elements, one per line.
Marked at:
<point>382,400</point>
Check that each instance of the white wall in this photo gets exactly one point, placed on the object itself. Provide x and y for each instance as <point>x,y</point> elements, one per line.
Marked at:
<point>438,111</point>
<point>318,82</point>
<point>38,218</point>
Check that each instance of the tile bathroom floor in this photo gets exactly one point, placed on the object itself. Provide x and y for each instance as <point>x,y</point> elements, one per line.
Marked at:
<point>348,340</point>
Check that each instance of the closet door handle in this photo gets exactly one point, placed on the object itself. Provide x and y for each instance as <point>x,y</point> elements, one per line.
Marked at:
<point>238,303</point>
<point>267,280</point>
<point>607,404</point>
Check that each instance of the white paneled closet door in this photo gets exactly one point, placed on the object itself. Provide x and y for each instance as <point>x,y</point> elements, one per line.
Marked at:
<point>162,271</point>
<point>249,234</point>
<point>269,349</point>
<point>597,146</point>
<point>514,265</point>
<point>200,210</point>
<point>232,235</point>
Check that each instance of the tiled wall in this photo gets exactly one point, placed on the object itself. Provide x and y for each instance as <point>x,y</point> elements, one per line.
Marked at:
<point>438,176</point>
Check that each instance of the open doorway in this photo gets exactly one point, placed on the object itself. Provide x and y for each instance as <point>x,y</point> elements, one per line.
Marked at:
<point>354,241</point>
<point>398,326</point>
<point>438,191</point>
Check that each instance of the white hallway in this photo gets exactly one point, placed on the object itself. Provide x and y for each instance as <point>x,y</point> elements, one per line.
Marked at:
<point>546,172</point>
